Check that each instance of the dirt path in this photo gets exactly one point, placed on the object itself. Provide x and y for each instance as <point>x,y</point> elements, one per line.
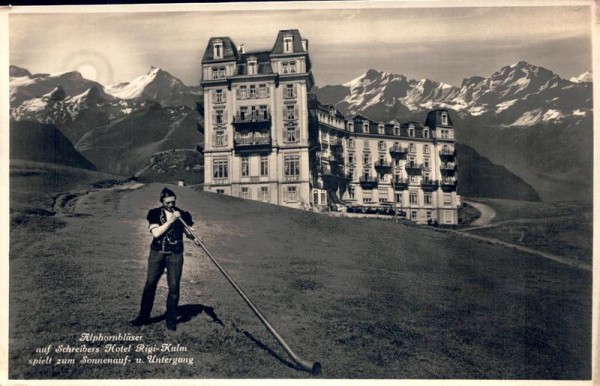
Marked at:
<point>487,213</point>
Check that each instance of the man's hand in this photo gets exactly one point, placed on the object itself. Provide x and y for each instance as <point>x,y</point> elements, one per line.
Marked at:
<point>175,215</point>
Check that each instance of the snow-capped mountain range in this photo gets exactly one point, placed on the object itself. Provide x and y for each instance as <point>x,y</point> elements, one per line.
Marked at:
<point>521,94</point>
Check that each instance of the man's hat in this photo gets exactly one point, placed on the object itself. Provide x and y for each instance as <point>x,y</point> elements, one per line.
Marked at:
<point>166,192</point>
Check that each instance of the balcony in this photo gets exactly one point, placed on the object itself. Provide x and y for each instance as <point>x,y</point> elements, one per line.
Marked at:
<point>383,167</point>
<point>253,142</point>
<point>447,153</point>
<point>413,168</point>
<point>252,121</point>
<point>368,182</point>
<point>400,183</point>
<point>448,184</point>
<point>429,185</point>
<point>398,152</point>
<point>448,167</point>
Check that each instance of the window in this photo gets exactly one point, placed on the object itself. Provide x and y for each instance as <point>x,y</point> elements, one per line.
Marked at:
<point>244,193</point>
<point>366,159</point>
<point>426,149</point>
<point>413,215</point>
<point>290,91</point>
<point>218,73</point>
<point>411,131</point>
<point>288,67</point>
<point>413,198</point>
<point>221,191</point>
<point>367,196</point>
<point>290,112</point>
<point>264,112</point>
<point>252,65</point>
<point>444,116</point>
<point>351,158</point>
<point>264,193</point>
<point>429,215</point>
<point>245,167</point>
<point>288,44</point>
<point>425,133</point>
<point>351,127</point>
<point>243,92</point>
<point>350,143</point>
<point>381,159</point>
<point>219,97</point>
<point>396,130</point>
<point>381,145</point>
<point>426,163</point>
<point>398,199</point>
<point>218,49</point>
<point>412,147</point>
<point>292,167</point>
<point>381,129</point>
<point>220,138</point>
<point>220,169</point>
<point>447,199</point>
<point>351,174</point>
<point>243,113</point>
<point>252,91</point>
<point>365,127</point>
<point>448,216</point>
<point>292,194</point>
<point>291,134</point>
<point>383,195</point>
<point>412,178</point>
<point>219,120</point>
<point>262,90</point>
<point>264,166</point>
<point>351,192</point>
<point>428,198</point>
<point>444,134</point>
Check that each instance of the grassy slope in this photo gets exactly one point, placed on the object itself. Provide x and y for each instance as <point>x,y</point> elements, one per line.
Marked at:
<point>367,298</point>
<point>561,228</point>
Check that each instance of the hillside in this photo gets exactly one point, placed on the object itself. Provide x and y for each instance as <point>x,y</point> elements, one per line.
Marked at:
<point>44,143</point>
<point>126,145</point>
<point>391,303</point>
<point>481,178</point>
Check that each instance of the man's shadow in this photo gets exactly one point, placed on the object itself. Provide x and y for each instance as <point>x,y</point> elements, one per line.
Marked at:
<point>188,312</point>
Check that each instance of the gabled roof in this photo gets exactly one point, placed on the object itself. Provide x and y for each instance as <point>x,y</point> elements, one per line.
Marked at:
<point>230,51</point>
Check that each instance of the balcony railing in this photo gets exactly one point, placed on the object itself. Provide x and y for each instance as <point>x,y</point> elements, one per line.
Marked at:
<point>400,183</point>
<point>447,152</point>
<point>429,184</point>
<point>368,182</point>
<point>448,184</point>
<point>448,167</point>
<point>413,168</point>
<point>293,178</point>
<point>383,167</point>
<point>398,151</point>
<point>252,142</point>
<point>252,121</point>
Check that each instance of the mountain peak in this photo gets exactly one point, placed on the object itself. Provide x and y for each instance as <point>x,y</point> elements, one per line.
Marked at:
<point>16,71</point>
<point>585,77</point>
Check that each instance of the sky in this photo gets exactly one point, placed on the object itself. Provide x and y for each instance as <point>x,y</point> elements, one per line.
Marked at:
<point>345,39</point>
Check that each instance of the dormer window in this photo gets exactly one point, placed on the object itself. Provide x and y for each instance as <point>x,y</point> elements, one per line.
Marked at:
<point>444,118</point>
<point>396,130</point>
<point>218,49</point>
<point>425,133</point>
<point>365,127</point>
<point>288,44</point>
<point>411,130</point>
<point>252,65</point>
<point>351,127</point>
<point>381,129</point>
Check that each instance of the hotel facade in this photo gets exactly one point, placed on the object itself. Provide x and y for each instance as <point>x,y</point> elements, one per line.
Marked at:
<point>266,138</point>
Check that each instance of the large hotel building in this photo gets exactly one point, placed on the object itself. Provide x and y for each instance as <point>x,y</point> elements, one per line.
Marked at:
<point>266,138</point>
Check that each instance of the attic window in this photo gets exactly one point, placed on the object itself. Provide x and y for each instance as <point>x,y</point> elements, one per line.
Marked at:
<point>444,116</point>
<point>365,127</point>
<point>218,49</point>
<point>252,65</point>
<point>411,131</point>
<point>351,126</point>
<point>396,130</point>
<point>288,44</point>
<point>381,129</point>
<point>426,133</point>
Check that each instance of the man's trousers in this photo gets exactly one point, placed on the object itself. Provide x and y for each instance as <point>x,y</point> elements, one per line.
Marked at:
<point>157,262</point>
